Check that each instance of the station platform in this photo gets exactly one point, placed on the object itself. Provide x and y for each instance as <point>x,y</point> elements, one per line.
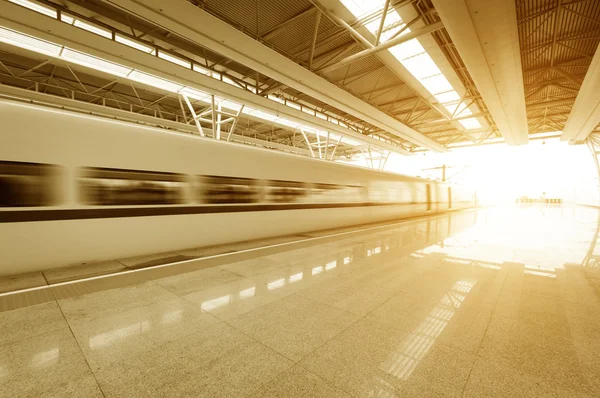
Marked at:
<point>492,302</point>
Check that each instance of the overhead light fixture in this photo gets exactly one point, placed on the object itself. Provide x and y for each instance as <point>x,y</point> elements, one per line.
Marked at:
<point>155,81</point>
<point>196,94</point>
<point>35,6</point>
<point>41,46</point>
<point>95,63</point>
<point>28,42</point>
<point>93,28</point>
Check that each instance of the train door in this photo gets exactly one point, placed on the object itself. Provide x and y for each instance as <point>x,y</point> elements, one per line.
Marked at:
<point>428,197</point>
<point>449,197</point>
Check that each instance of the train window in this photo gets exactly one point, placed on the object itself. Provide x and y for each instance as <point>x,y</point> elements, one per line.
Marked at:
<point>215,189</point>
<point>29,184</point>
<point>114,187</point>
<point>286,191</point>
<point>335,193</point>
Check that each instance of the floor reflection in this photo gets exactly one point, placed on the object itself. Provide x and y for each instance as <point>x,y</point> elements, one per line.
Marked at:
<point>364,313</point>
<point>541,237</point>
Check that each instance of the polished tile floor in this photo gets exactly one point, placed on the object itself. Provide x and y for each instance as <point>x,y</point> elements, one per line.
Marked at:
<point>499,302</point>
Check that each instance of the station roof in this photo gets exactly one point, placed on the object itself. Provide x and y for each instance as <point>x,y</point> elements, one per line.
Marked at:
<point>333,77</point>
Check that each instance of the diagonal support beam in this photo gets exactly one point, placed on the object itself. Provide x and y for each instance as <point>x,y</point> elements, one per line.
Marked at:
<point>314,39</point>
<point>184,19</point>
<point>285,24</point>
<point>29,22</point>
<point>492,56</point>
<point>384,46</point>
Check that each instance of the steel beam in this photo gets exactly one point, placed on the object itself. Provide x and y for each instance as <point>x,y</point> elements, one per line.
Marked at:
<point>183,19</point>
<point>33,97</point>
<point>585,114</point>
<point>486,37</point>
<point>29,22</point>
<point>282,26</point>
<point>384,46</point>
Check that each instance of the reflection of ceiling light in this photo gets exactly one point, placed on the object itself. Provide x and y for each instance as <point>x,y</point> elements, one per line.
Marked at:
<point>276,284</point>
<point>155,81</point>
<point>250,292</point>
<point>36,7</point>
<point>30,43</point>
<point>90,27</point>
<point>94,63</point>
<point>135,44</point>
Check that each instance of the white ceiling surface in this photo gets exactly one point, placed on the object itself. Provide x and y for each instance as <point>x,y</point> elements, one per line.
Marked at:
<point>197,25</point>
<point>486,37</point>
<point>585,114</point>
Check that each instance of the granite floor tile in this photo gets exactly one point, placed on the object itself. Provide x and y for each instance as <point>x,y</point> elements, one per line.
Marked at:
<point>24,323</point>
<point>196,281</point>
<point>46,364</point>
<point>299,382</point>
<point>294,326</point>
<point>125,333</point>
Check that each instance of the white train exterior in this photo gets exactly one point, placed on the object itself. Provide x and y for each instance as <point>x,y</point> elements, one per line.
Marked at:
<point>77,189</point>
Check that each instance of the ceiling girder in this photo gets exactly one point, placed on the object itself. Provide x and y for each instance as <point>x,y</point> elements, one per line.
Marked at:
<point>585,114</point>
<point>196,25</point>
<point>485,35</point>
<point>29,22</point>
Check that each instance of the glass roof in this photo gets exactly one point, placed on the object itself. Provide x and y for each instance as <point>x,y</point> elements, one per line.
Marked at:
<point>413,57</point>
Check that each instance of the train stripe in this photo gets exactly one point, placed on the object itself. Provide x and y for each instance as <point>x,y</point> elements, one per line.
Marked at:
<point>12,216</point>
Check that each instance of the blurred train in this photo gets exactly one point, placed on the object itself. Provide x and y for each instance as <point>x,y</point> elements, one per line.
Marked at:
<point>76,188</point>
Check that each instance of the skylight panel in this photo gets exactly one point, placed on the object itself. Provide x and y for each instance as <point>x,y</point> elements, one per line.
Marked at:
<point>361,8</point>
<point>407,49</point>
<point>308,110</point>
<point>200,69</point>
<point>230,81</point>
<point>30,43</point>
<point>421,66</point>
<point>276,98</point>
<point>35,6</point>
<point>134,44</point>
<point>436,84</point>
<point>66,18</point>
<point>95,63</point>
<point>93,28</point>
<point>447,96</point>
<point>471,123</point>
<point>173,59</point>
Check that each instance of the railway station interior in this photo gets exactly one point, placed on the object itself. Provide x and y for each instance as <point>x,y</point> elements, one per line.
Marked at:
<point>299,198</point>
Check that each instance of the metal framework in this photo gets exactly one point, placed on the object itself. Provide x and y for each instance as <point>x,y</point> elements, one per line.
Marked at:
<point>557,42</point>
